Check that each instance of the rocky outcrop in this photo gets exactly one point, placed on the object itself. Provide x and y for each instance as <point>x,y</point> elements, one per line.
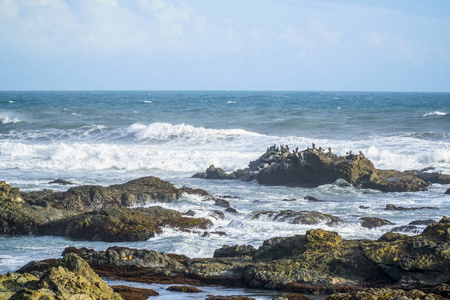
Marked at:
<point>136,192</point>
<point>95,212</point>
<point>118,224</point>
<point>380,293</point>
<point>393,207</point>
<point>447,192</point>
<point>295,217</point>
<point>371,222</point>
<point>71,278</point>
<point>316,261</point>
<point>314,167</point>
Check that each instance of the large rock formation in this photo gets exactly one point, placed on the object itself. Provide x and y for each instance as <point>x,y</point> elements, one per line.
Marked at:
<point>95,212</point>
<point>314,167</point>
<point>70,278</point>
<point>118,224</point>
<point>318,261</point>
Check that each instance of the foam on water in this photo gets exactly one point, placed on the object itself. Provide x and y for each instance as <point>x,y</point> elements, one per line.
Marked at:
<point>435,113</point>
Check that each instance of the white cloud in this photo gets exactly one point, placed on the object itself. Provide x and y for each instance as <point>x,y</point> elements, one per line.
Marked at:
<point>142,27</point>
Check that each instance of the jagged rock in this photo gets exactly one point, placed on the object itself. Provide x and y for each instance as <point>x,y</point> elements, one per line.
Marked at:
<point>313,199</point>
<point>222,202</point>
<point>71,278</point>
<point>295,217</point>
<point>383,293</point>
<point>311,168</point>
<point>393,207</point>
<point>189,213</point>
<point>122,256</point>
<point>117,224</point>
<point>423,222</point>
<point>447,192</point>
<point>370,222</point>
<point>435,177</point>
<point>406,228</point>
<point>234,297</point>
<point>318,261</point>
<point>136,192</point>
<point>184,289</point>
<point>132,293</point>
<point>61,182</point>
<point>7,192</point>
<point>234,251</point>
<point>217,214</point>
<point>231,210</point>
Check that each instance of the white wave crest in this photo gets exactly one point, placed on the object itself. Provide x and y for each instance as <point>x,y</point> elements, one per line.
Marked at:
<point>435,113</point>
<point>166,131</point>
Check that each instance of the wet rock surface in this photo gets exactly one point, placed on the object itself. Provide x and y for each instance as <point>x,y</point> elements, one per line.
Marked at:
<point>70,278</point>
<point>319,261</point>
<point>295,217</point>
<point>118,224</point>
<point>315,167</point>
<point>96,212</point>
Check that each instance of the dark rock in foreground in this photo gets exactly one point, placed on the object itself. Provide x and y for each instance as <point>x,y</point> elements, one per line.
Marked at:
<point>70,278</point>
<point>132,293</point>
<point>319,261</point>
<point>447,192</point>
<point>314,167</point>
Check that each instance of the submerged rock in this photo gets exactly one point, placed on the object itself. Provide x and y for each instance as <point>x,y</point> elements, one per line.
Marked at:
<point>295,217</point>
<point>393,207</point>
<point>184,289</point>
<point>234,251</point>
<point>370,222</point>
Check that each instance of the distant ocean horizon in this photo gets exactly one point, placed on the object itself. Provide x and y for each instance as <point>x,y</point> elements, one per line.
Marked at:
<point>110,137</point>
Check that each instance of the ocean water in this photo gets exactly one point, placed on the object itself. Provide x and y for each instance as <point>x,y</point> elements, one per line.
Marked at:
<point>109,137</point>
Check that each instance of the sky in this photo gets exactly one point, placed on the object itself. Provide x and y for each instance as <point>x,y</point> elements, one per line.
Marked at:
<point>326,45</point>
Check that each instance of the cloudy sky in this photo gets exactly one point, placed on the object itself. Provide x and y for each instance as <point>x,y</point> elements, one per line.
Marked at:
<point>382,45</point>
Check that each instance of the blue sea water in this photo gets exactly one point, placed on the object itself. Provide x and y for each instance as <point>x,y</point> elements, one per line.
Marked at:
<point>109,137</point>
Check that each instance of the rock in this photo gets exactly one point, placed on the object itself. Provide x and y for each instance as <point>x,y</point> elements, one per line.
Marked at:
<point>295,217</point>
<point>132,293</point>
<point>393,207</point>
<point>364,207</point>
<point>383,293</point>
<point>123,256</point>
<point>234,251</point>
<point>217,214</point>
<point>189,213</point>
<point>319,261</point>
<point>292,297</point>
<point>184,289</point>
<point>406,228</point>
<point>435,177</point>
<point>314,199</point>
<point>61,182</point>
<point>423,222</point>
<point>117,224</point>
<point>231,210</point>
<point>70,278</point>
<point>311,168</point>
<point>136,192</point>
<point>234,297</point>
<point>7,192</point>
<point>221,202</point>
<point>447,192</point>
<point>369,222</point>
<point>290,200</point>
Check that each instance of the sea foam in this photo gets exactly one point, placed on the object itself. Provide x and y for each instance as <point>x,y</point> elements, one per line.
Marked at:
<point>435,113</point>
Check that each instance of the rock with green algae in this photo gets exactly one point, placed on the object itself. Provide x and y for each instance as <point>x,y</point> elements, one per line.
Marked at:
<point>385,293</point>
<point>72,278</point>
<point>118,224</point>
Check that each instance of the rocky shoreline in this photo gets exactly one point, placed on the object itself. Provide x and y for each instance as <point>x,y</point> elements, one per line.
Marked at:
<point>395,266</point>
<point>319,262</point>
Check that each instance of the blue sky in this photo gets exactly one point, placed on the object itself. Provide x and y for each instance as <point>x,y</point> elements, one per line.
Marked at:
<point>225,45</point>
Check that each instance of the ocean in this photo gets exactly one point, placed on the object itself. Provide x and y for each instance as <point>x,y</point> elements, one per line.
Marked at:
<point>110,137</point>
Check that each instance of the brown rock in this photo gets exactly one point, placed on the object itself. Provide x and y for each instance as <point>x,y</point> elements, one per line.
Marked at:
<point>184,289</point>
<point>132,293</point>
